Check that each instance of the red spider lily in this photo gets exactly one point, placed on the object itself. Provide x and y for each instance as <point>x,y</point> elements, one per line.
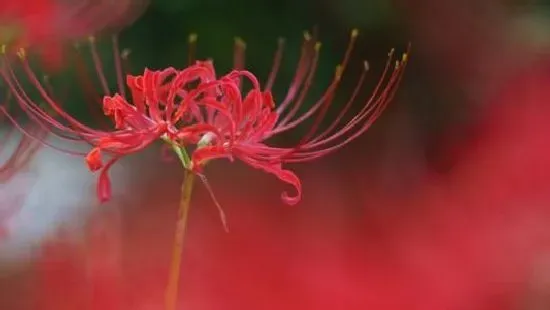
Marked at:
<point>193,106</point>
<point>47,24</point>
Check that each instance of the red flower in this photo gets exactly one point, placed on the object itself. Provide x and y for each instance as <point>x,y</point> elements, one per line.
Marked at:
<point>47,24</point>
<point>27,20</point>
<point>194,107</point>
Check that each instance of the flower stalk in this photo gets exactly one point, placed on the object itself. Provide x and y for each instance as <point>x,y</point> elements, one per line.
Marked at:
<point>171,298</point>
<point>172,289</point>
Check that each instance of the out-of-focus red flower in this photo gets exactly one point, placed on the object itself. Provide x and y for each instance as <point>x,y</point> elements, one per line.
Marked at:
<point>46,25</point>
<point>478,234</point>
<point>28,21</point>
<point>90,268</point>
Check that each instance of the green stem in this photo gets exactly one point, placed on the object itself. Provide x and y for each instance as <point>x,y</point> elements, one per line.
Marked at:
<point>181,152</point>
<point>174,275</point>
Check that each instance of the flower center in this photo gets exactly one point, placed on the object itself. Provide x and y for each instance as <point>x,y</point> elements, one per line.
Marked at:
<point>206,139</point>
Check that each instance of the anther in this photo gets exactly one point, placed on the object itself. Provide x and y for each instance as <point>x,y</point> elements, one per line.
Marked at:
<point>317,46</point>
<point>240,42</point>
<point>338,72</point>
<point>125,53</point>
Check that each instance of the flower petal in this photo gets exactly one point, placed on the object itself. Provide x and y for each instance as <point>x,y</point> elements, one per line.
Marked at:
<point>286,176</point>
<point>206,153</point>
<point>103,188</point>
<point>93,159</point>
<point>290,178</point>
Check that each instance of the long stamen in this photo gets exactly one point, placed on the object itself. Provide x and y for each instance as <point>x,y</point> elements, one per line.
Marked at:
<point>118,67</point>
<point>327,97</point>
<point>33,110</point>
<point>36,112</point>
<point>22,155</point>
<point>91,95</point>
<point>324,107</point>
<point>305,89</point>
<point>326,100</point>
<point>49,113</point>
<point>239,58</point>
<point>51,103</point>
<point>98,66</point>
<point>347,106</point>
<point>38,138</point>
<point>24,151</point>
<point>276,64</point>
<point>300,75</point>
<point>370,113</point>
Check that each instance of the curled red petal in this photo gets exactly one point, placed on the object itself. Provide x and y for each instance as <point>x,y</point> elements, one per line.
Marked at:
<point>135,84</point>
<point>103,188</point>
<point>93,159</point>
<point>286,176</point>
<point>291,178</point>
